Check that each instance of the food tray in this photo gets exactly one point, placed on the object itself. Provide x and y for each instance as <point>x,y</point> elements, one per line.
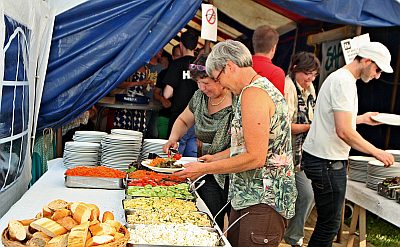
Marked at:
<point>388,191</point>
<point>94,182</point>
<point>398,195</point>
<point>137,196</point>
<point>221,242</point>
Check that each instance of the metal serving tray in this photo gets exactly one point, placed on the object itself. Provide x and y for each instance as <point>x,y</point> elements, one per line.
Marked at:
<point>131,196</point>
<point>388,191</point>
<point>220,243</point>
<point>398,195</point>
<point>95,182</point>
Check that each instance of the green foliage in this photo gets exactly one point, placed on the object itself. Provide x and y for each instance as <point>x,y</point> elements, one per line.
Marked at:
<point>381,233</point>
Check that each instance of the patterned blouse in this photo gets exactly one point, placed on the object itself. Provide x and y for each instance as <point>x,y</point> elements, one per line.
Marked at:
<point>274,184</point>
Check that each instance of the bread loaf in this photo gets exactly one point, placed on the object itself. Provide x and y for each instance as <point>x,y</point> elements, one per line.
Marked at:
<point>107,215</point>
<point>48,226</point>
<point>67,222</point>
<point>102,229</point>
<point>60,213</point>
<point>116,224</point>
<point>102,239</point>
<point>118,235</point>
<point>59,241</point>
<point>78,234</point>
<point>42,236</point>
<point>16,230</point>
<point>95,212</point>
<point>82,213</point>
<point>46,212</point>
<point>36,242</point>
<point>57,204</point>
<point>27,222</point>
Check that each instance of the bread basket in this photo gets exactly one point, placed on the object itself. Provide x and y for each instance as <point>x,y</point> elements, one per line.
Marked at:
<point>7,242</point>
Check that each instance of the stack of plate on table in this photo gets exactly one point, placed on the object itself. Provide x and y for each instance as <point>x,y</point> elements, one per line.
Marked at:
<point>153,146</point>
<point>80,154</point>
<point>89,136</point>
<point>119,151</point>
<point>377,173</point>
<point>358,168</point>
<point>132,133</point>
<point>396,154</point>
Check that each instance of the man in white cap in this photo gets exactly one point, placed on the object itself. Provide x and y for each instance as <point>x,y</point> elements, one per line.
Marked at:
<point>333,133</point>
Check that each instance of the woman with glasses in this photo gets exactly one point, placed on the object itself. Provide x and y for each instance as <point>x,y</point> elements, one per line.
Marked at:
<point>262,185</point>
<point>300,97</point>
<point>210,111</point>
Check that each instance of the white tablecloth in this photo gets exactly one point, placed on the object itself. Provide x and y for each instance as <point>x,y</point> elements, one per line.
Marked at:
<point>51,186</point>
<point>370,200</point>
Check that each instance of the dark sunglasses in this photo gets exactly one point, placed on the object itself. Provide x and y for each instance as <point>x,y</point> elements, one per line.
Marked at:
<point>198,67</point>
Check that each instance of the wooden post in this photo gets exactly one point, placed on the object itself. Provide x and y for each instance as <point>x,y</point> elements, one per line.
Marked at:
<point>59,152</point>
<point>353,226</point>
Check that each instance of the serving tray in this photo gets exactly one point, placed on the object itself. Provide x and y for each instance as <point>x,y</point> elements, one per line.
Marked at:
<point>95,182</point>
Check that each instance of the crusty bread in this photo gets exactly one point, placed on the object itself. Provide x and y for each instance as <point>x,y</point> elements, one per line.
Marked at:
<point>59,241</point>
<point>36,242</point>
<point>16,230</point>
<point>60,213</point>
<point>57,204</point>
<point>27,222</point>
<point>116,224</point>
<point>118,235</point>
<point>72,206</point>
<point>47,212</point>
<point>48,226</point>
<point>41,235</point>
<point>29,234</point>
<point>82,213</point>
<point>107,215</point>
<point>102,239</point>
<point>95,212</point>
<point>77,236</point>
<point>102,229</point>
<point>67,222</point>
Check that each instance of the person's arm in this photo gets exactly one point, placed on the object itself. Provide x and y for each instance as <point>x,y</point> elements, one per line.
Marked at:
<point>366,118</point>
<point>345,132</point>
<point>299,128</point>
<point>158,97</point>
<point>217,156</point>
<point>255,122</point>
<point>128,84</point>
<point>184,121</point>
<point>168,92</point>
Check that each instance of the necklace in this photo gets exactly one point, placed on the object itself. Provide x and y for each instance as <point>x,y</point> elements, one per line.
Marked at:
<point>217,104</point>
<point>253,78</point>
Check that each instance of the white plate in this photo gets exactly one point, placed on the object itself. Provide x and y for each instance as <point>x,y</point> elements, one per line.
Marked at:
<point>146,163</point>
<point>126,132</point>
<point>386,118</point>
<point>361,158</point>
<point>379,163</point>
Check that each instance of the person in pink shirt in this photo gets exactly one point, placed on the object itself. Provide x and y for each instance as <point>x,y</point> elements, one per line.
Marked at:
<point>264,41</point>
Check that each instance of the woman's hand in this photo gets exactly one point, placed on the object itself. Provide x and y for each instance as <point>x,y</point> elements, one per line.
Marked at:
<point>170,144</point>
<point>207,158</point>
<point>192,171</point>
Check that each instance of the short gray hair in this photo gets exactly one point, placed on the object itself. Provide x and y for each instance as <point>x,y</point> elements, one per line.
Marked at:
<point>228,50</point>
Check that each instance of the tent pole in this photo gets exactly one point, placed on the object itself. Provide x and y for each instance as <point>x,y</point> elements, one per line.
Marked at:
<point>394,96</point>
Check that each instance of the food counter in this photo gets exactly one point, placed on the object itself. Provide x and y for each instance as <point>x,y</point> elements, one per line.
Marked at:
<point>51,186</point>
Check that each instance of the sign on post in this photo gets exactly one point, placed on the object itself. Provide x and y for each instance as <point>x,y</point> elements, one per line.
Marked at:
<point>350,46</point>
<point>209,22</point>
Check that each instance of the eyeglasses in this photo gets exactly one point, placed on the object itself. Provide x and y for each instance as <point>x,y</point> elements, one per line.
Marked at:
<point>217,78</point>
<point>378,70</point>
<point>198,67</point>
<point>312,74</point>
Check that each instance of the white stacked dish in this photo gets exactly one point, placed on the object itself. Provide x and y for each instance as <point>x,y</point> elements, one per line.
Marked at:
<point>89,136</point>
<point>153,146</point>
<point>133,133</point>
<point>80,154</point>
<point>358,166</point>
<point>119,151</point>
<point>377,172</point>
<point>396,154</point>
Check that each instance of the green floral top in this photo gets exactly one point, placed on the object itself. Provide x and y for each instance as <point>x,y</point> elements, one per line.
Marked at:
<point>274,184</point>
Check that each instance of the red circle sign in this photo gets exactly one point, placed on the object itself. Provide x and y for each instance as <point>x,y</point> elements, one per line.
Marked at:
<point>211,16</point>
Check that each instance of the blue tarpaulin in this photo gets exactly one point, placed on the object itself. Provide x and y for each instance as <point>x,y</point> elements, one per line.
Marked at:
<point>98,44</point>
<point>372,13</point>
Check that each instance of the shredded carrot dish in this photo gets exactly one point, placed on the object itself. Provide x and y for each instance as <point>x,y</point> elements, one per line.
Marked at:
<point>143,174</point>
<point>97,171</point>
<point>157,161</point>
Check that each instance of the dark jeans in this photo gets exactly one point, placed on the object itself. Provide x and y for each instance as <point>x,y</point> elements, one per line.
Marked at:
<point>329,184</point>
<point>215,198</point>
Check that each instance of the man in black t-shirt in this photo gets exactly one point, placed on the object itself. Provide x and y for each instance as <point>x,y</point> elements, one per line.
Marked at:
<point>179,85</point>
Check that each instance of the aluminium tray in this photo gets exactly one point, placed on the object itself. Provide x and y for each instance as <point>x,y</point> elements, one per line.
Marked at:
<point>94,182</point>
<point>388,191</point>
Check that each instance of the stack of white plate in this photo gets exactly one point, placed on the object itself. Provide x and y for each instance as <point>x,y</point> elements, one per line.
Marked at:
<point>89,136</point>
<point>132,133</point>
<point>119,151</point>
<point>396,154</point>
<point>377,173</point>
<point>152,146</point>
<point>80,154</point>
<point>358,168</point>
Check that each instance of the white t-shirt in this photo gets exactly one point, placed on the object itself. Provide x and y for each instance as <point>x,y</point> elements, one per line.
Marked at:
<point>338,93</point>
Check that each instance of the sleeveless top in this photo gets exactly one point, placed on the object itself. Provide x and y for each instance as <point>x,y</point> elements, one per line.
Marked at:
<point>274,183</point>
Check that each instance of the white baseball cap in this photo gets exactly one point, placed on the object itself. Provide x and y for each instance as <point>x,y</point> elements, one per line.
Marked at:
<point>378,53</point>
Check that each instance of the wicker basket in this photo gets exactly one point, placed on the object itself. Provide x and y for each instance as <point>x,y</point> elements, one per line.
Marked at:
<point>7,242</point>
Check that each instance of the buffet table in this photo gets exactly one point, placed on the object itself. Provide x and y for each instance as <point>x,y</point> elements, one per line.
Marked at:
<point>51,186</point>
<point>367,199</point>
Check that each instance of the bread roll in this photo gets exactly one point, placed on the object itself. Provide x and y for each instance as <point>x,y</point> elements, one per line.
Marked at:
<point>41,235</point>
<point>103,239</point>
<point>78,234</point>
<point>116,224</point>
<point>27,222</point>
<point>118,235</point>
<point>48,226</point>
<point>82,213</point>
<point>57,204</point>
<point>95,212</point>
<point>59,241</point>
<point>36,242</point>
<point>60,213</point>
<point>67,222</point>
<point>16,230</point>
<point>107,215</point>
<point>46,212</point>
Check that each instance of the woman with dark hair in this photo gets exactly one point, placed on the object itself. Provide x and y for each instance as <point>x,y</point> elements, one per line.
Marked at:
<point>300,97</point>
<point>210,109</point>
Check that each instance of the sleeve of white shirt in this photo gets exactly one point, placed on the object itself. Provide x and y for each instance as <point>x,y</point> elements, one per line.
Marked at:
<point>290,96</point>
<point>343,94</point>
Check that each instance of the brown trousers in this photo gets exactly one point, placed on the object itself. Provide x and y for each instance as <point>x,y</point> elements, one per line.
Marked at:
<point>263,226</point>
